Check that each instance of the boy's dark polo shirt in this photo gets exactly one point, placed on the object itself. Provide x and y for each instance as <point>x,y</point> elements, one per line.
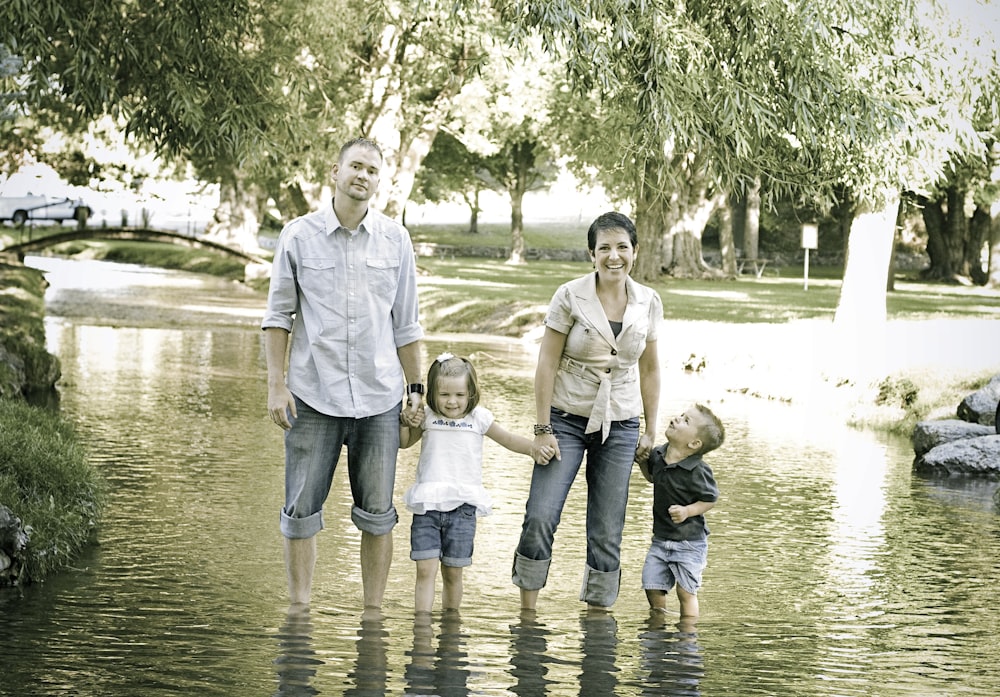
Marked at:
<point>681,483</point>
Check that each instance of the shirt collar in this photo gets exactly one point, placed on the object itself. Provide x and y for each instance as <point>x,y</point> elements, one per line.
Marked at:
<point>333,222</point>
<point>688,463</point>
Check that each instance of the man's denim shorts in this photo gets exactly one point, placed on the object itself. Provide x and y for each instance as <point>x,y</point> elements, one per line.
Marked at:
<point>669,562</point>
<point>444,535</point>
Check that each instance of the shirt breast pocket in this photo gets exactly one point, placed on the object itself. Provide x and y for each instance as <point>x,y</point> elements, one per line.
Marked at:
<point>383,277</point>
<point>317,275</point>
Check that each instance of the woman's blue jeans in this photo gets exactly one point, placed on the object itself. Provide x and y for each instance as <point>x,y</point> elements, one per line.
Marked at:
<point>609,467</point>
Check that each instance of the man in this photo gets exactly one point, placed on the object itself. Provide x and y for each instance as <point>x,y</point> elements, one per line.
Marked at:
<point>343,285</point>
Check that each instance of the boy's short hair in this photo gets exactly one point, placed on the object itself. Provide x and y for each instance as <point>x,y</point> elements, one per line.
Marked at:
<point>711,432</point>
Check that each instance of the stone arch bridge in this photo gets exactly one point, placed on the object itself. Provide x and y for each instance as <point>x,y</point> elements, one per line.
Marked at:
<point>119,233</point>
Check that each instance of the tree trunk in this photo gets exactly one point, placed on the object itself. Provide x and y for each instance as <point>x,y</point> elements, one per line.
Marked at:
<point>979,235</point>
<point>738,211</point>
<point>404,124</point>
<point>293,201</point>
<point>650,225</point>
<point>727,244</point>
<point>937,249</point>
<point>673,205</point>
<point>524,159</point>
<point>843,212</point>
<point>890,284</point>
<point>472,201</point>
<point>957,230</point>
<point>993,277</point>
<point>751,223</point>
<point>395,192</point>
<point>685,238</point>
<point>859,322</point>
<point>236,222</point>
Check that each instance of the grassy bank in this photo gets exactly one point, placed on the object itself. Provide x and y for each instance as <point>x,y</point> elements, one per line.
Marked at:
<point>45,479</point>
<point>46,482</point>
<point>25,366</point>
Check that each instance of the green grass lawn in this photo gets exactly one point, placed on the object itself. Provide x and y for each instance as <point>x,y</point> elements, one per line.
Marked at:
<point>480,293</point>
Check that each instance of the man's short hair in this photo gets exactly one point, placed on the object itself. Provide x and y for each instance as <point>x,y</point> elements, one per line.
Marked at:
<point>366,143</point>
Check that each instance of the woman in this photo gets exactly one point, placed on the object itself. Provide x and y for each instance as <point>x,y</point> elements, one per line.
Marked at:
<point>597,370</point>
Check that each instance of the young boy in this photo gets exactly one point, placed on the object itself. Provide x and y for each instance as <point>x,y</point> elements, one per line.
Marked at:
<point>684,489</point>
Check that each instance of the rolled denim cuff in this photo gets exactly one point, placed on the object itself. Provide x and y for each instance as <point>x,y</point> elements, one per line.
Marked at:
<point>600,587</point>
<point>301,528</point>
<point>374,523</point>
<point>530,574</point>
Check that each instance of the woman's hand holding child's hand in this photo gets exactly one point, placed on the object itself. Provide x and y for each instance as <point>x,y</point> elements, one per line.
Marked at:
<point>541,454</point>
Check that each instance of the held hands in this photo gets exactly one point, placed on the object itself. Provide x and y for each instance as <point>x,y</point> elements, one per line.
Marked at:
<point>413,413</point>
<point>644,447</point>
<point>678,514</point>
<point>544,449</point>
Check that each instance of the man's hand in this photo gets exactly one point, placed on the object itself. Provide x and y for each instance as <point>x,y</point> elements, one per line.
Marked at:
<point>412,416</point>
<point>281,404</point>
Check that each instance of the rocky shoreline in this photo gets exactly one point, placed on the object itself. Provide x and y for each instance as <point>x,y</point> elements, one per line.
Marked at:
<point>966,446</point>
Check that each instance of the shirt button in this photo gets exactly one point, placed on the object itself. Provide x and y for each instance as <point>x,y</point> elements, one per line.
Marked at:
<point>614,352</point>
<point>607,370</point>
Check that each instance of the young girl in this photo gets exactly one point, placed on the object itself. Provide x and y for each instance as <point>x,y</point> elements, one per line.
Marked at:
<point>448,494</point>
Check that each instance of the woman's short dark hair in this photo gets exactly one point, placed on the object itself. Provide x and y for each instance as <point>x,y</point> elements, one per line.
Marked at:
<point>612,220</point>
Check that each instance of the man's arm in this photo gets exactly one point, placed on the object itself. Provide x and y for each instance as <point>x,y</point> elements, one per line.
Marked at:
<point>280,402</point>
<point>409,359</point>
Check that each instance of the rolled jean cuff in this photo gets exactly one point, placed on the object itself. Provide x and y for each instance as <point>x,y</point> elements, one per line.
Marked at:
<point>600,587</point>
<point>530,574</point>
<point>374,523</point>
<point>301,528</point>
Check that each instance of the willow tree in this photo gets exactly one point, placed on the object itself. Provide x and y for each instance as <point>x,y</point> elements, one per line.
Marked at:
<point>256,94</point>
<point>812,96</point>
<point>191,79</point>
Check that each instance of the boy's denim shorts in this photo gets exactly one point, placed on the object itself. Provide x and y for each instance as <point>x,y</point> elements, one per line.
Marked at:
<point>669,562</point>
<point>444,535</point>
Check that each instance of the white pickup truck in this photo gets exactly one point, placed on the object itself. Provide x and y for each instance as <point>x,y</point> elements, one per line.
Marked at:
<point>19,209</point>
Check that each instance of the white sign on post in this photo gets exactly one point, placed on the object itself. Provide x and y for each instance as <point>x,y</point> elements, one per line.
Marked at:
<point>810,240</point>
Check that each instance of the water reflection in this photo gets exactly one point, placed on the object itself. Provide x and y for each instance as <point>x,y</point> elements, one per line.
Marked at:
<point>444,670</point>
<point>672,661</point>
<point>599,648</point>
<point>297,662</point>
<point>529,656</point>
<point>832,569</point>
<point>371,668</point>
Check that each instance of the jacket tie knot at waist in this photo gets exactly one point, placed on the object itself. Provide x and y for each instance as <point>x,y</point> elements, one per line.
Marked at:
<point>601,414</point>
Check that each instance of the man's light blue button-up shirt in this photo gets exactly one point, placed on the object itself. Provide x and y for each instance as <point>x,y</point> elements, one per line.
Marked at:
<point>349,299</point>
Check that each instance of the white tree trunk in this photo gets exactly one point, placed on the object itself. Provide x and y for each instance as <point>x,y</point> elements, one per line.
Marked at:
<point>993,278</point>
<point>236,223</point>
<point>859,346</point>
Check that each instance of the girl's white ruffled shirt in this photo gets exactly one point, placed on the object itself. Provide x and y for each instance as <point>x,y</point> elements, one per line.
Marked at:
<point>450,469</point>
